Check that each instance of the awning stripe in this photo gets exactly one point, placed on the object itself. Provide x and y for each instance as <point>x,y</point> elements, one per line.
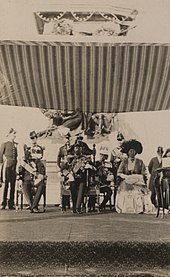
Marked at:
<point>92,77</point>
<point>20,72</point>
<point>155,80</point>
<point>34,75</point>
<point>142,75</point>
<point>164,84</point>
<point>107,82</point>
<point>5,96</point>
<point>125,61</point>
<point>18,98</point>
<point>151,64</point>
<point>75,99</point>
<point>84,91</point>
<point>26,72</point>
<point>130,90</point>
<point>56,88</point>
<point>100,79</point>
<point>60,82</point>
<point>51,74</point>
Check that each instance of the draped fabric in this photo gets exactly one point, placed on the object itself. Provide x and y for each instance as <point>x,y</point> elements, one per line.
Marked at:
<point>94,77</point>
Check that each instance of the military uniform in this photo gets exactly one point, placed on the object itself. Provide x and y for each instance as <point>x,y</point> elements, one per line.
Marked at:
<point>33,166</point>
<point>63,162</point>
<point>8,174</point>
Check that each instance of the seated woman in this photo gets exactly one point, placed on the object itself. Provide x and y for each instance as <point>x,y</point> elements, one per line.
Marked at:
<point>132,194</point>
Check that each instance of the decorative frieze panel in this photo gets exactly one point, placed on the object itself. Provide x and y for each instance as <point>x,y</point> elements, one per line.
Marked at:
<point>90,23</point>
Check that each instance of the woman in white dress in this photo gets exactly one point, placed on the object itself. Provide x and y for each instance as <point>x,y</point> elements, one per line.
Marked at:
<point>133,196</point>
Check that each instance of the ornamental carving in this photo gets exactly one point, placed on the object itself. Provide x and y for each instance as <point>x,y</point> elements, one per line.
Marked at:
<point>85,23</point>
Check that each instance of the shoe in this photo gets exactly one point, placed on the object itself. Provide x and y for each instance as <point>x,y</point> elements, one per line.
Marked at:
<point>3,207</point>
<point>28,208</point>
<point>101,208</point>
<point>34,211</point>
<point>12,208</point>
<point>78,211</point>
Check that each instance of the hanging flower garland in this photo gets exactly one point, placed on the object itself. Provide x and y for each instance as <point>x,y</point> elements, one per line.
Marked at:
<point>109,16</point>
<point>82,17</point>
<point>48,19</point>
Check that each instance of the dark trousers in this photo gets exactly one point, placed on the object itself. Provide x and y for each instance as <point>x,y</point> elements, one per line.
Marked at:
<point>10,178</point>
<point>27,187</point>
<point>65,202</point>
<point>108,193</point>
<point>39,191</point>
<point>77,192</point>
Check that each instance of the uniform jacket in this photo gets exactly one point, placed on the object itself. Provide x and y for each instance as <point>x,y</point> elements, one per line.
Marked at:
<point>153,165</point>
<point>9,150</point>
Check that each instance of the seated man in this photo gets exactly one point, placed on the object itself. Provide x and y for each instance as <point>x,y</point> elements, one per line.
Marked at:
<point>81,167</point>
<point>105,175</point>
<point>32,172</point>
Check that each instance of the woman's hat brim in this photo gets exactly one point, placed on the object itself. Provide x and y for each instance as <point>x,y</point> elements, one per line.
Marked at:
<point>131,144</point>
<point>166,152</point>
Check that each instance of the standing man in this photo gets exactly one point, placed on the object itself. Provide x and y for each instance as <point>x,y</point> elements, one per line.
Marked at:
<point>155,163</point>
<point>8,161</point>
<point>63,157</point>
<point>63,162</point>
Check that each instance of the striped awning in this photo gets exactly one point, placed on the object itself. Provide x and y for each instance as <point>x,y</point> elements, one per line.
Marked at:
<point>94,77</point>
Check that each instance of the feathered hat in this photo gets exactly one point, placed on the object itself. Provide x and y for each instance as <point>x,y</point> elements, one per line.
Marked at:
<point>166,152</point>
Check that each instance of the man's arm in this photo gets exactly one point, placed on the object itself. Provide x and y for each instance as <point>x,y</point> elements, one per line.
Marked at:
<point>59,157</point>
<point>2,150</point>
<point>150,166</point>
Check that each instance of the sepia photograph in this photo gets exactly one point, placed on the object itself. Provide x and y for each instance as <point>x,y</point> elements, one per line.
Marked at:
<point>84,141</point>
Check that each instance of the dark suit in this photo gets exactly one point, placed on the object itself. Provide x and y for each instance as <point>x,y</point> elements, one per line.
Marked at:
<point>153,165</point>
<point>9,151</point>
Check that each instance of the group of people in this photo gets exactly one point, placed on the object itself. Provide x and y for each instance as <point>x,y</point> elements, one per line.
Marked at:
<point>30,169</point>
<point>77,162</point>
<point>120,172</point>
<point>124,174</point>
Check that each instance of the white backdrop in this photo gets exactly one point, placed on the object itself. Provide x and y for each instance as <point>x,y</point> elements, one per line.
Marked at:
<point>151,128</point>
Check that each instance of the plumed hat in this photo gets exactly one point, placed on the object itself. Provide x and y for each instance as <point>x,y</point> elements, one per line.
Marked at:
<point>33,134</point>
<point>131,144</point>
<point>120,136</point>
<point>166,152</point>
<point>11,131</point>
<point>79,136</point>
<point>104,151</point>
<point>68,136</point>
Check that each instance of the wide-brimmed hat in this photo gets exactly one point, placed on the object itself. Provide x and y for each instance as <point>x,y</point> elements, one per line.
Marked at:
<point>104,151</point>
<point>166,152</point>
<point>11,131</point>
<point>131,144</point>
